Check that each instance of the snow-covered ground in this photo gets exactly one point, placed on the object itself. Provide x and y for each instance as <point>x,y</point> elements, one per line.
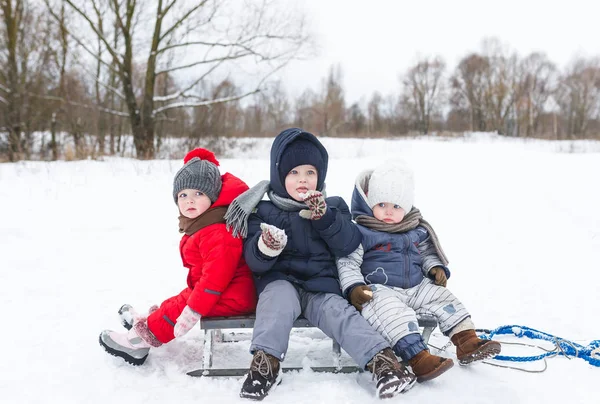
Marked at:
<point>520,222</point>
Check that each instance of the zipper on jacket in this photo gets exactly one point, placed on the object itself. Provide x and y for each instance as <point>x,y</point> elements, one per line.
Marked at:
<point>407,261</point>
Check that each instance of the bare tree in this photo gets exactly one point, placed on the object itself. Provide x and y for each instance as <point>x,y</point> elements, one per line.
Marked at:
<point>214,120</point>
<point>501,85</point>
<point>270,112</point>
<point>578,95</point>
<point>374,114</point>
<point>307,111</point>
<point>333,104</point>
<point>323,113</point>
<point>24,56</point>
<point>60,62</point>
<point>11,92</point>
<point>254,117</point>
<point>277,107</point>
<point>424,89</point>
<point>357,122</point>
<point>194,39</point>
<point>395,116</point>
<point>538,81</point>
<point>468,85</point>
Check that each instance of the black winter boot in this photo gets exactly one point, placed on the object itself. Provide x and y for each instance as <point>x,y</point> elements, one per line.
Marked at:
<point>264,375</point>
<point>392,376</point>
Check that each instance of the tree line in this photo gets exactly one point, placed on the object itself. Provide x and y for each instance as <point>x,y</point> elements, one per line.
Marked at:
<point>102,70</point>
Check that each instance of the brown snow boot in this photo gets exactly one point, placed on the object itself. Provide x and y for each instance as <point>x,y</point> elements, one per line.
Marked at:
<point>470,348</point>
<point>427,366</point>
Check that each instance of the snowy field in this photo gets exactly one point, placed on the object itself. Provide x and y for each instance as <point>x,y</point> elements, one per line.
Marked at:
<point>520,222</point>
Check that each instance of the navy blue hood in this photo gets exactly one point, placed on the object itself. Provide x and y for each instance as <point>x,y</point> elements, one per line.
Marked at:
<point>359,205</point>
<point>280,144</point>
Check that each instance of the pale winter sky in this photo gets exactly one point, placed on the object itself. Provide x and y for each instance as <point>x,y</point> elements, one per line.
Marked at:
<point>375,40</point>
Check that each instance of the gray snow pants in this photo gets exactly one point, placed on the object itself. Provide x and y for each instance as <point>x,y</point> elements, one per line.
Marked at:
<point>280,304</point>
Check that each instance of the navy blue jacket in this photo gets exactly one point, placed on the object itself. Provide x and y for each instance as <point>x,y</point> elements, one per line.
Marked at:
<point>395,259</point>
<point>308,259</point>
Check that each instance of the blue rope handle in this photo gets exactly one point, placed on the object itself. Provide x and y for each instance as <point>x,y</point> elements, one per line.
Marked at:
<point>589,353</point>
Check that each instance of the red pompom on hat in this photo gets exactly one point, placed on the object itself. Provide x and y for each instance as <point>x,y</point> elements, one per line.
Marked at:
<point>200,171</point>
<point>202,154</point>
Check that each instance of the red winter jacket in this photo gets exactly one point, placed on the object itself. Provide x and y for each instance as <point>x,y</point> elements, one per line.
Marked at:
<point>220,280</point>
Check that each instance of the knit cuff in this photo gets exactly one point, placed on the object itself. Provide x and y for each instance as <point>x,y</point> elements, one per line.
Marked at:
<point>142,330</point>
<point>466,324</point>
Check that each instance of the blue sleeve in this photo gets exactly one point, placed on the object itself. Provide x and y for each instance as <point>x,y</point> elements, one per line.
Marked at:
<point>256,260</point>
<point>336,228</point>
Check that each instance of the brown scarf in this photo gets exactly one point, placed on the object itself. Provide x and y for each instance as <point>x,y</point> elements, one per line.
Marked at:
<point>410,222</point>
<point>211,216</point>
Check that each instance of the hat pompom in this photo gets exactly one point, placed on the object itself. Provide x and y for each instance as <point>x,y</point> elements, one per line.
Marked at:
<point>202,154</point>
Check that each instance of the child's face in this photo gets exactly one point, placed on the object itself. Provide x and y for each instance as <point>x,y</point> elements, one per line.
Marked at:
<point>300,180</point>
<point>388,212</point>
<point>192,203</point>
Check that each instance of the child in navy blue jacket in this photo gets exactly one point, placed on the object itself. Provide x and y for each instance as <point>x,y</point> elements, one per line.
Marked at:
<point>400,271</point>
<point>291,245</point>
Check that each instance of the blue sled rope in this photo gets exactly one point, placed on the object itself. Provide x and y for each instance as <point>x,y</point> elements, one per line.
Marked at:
<point>589,353</point>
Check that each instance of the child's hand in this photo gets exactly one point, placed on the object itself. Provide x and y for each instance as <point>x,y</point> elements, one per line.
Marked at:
<point>440,276</point>
<point>360,295</point>
<point>186,321</point>
<point>316,205</point>
<point>272,240</point>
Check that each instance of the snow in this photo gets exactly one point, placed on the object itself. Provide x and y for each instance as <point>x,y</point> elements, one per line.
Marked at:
<point>519,221</point>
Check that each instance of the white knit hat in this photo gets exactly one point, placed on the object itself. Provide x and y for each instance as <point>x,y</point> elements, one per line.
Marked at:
<point>394,183</point>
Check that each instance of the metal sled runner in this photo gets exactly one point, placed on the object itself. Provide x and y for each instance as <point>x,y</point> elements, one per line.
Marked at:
<point>213,334</point>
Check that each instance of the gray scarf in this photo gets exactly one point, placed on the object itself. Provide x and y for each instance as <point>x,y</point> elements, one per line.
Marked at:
<point>239,211</point>
<point>410,222</point>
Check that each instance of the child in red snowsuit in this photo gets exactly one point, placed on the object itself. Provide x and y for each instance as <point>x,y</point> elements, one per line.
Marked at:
<point>219,283</point>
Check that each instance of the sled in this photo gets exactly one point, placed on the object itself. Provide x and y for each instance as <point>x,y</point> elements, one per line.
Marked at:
<point>213,327</point>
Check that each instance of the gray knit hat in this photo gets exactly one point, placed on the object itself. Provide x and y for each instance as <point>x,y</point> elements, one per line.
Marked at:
<point>201,172</point>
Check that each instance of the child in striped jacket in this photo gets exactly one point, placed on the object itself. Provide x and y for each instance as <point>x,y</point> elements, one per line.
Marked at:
<point>400,271</point>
